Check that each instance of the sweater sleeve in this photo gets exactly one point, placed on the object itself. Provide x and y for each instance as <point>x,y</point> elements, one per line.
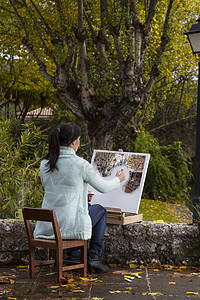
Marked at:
<point>97,182</point>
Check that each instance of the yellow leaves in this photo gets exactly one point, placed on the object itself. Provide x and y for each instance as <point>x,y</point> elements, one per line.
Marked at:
<point>123,272</point>
<point>6,280</point>
<point>121,292</point>
<point>142,267</point>
<point>175,275</point>
<point>52,273</point>
<point>172,283</point>
<point>54,287</point>
<point>192,293</point>
<point>4,206</point>
<point>133,266</point>
<point>78,291</point>
<point>152,294</point>
<point>183,267</point>
<point>23,268</point>
<point>137,275</point>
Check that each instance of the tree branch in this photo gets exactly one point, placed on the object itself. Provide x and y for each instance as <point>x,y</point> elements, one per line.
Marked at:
<point>87,105</point>
<point>164,40</point>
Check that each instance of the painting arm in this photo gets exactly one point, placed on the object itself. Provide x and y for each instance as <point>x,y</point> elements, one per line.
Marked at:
<point>100,184</point>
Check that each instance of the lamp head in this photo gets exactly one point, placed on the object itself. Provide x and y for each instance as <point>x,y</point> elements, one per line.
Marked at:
<point>194,37</point>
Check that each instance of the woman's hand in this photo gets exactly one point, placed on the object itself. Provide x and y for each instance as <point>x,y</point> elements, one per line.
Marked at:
<point>121,175</point>
<point>90,195</point>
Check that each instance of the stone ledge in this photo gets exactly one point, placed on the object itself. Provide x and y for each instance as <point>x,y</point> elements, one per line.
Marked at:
<point>142,243</point>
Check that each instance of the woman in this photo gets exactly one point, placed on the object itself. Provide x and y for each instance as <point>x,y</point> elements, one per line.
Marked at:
<point>65,178</point>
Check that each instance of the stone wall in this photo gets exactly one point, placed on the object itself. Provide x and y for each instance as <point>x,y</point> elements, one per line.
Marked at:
<point>141,243</point>
<point>147,243</point>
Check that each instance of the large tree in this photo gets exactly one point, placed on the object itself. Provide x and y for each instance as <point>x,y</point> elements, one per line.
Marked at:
<point>102,57</point>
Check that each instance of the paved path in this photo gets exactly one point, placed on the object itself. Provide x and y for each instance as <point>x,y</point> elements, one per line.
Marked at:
<point>154,284</point>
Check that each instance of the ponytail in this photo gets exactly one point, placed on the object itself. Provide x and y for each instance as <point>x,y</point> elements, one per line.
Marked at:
<point>54,150</point>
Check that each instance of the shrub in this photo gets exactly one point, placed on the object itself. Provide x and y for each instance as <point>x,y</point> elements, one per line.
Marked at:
<point>169,173</point>
<point>21,150</point>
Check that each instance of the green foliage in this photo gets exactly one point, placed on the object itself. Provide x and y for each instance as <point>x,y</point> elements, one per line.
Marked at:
<point>21,150</point>
<point>169,174</point>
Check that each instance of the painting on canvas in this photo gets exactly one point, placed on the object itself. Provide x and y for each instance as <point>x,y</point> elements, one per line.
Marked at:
<point>128,196</point>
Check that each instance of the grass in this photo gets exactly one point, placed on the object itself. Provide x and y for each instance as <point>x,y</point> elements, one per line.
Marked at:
<point>156,210</point>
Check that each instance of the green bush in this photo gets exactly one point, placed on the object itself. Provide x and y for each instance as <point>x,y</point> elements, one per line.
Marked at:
<point>21,150</point>
<point>169,173</point>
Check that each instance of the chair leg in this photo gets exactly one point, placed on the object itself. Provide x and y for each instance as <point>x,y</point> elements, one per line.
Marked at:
<point>84,258</point>
<point>59,262</point>
<point>31,261</point>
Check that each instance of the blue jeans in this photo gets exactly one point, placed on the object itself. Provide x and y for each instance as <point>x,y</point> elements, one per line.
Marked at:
<point>98,215</point>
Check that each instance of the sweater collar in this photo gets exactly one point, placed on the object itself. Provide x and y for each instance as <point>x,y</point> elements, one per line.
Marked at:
<point>66,151</point>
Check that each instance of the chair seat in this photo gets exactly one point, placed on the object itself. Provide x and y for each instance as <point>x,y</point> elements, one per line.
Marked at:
<point>38,242</point>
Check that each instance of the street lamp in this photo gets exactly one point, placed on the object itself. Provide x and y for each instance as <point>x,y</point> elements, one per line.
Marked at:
<point>194,38</point>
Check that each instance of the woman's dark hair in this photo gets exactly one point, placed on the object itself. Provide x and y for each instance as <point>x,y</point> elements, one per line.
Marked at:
<point>64,135</point>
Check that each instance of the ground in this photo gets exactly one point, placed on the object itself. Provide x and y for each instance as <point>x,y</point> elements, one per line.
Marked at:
<point>121,282</point>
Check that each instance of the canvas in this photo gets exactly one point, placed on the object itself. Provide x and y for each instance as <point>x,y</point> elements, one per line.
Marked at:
<point>128,196</point>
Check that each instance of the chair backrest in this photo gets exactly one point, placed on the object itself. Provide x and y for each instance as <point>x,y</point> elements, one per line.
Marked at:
<point>41,214</point>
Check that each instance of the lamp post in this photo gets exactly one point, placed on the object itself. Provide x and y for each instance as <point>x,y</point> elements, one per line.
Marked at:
<point>194,38</point>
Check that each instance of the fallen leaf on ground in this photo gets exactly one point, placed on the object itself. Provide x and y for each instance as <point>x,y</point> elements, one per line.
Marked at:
<point>133,266</point>
<point>136,273</point>
<point>96,298</point>
<point>155,270</point>
<point>172,282</point>
<point>68,285</point>
<point>12,281</point>
<point>120,292</point>
<point>78,291</point>
<point>22,267</point>
<point>7,280</point>
<point>138,276</point>
<point>53,273</point>
<point>175,275</point>
<point>129,280</point>
<point>142,267</point>
<point>123,272</point>
<point>152,293</point>
<point>115,292</point>
<point>192,293</point>
<point>167,266</point>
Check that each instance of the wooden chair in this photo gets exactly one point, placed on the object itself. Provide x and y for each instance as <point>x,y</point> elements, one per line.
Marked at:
<point>57,244</point>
